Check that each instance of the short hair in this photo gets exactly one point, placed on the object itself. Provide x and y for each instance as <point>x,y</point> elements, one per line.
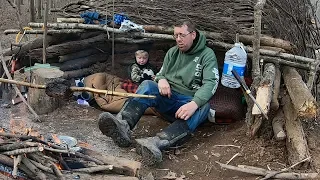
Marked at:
<point>142,52</point>
<point>191,26</point>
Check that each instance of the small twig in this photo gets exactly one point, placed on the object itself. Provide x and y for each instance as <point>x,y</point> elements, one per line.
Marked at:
<point>227,145</point>
<point>270,175</point>
<point>234,156</point>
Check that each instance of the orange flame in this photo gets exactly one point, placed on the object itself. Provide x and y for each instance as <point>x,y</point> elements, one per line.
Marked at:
<point>59,166</point>
<point>85,145</point>
<point>56,139</point>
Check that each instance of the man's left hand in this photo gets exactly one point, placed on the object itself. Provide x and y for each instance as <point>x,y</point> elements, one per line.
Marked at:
<point>186,111</point>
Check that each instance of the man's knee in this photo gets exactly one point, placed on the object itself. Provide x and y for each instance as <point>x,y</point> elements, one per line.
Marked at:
<point>148,86</point>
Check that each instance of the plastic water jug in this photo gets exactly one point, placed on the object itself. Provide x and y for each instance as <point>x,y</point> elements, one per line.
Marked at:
<point>235,59</point>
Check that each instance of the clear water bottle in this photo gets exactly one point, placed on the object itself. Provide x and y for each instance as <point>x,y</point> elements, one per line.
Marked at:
<point>235,59</point>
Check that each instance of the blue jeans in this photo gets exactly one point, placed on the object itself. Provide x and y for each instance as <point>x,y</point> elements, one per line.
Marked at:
<point>169,106</point>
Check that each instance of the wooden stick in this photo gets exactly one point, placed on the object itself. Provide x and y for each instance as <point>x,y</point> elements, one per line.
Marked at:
<point>14,6</point>
<point>94,169</point>
<point>22,151</point>
<point>16,88</point>
<point>80,89</point>
<point>57,171</point>
<point>257,34</point>
<point>42,167</point>
<point>18,145</point>
<point>268,176</point>
<point>264,172</point>
<point>45,29</point>
<point>33,168</point>
<point>50,31</point>
<point>16,163</point>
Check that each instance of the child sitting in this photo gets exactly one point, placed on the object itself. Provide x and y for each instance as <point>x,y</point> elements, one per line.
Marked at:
<point>141,70</point>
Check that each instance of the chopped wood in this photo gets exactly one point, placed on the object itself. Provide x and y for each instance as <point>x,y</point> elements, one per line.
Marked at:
<point>57,171</point>
<point>120,165</point>
<point>16,163</point>
<point>83,72</point>
<point>94,169</point>
<point>22,151</point>
<point>301,97</point>
<point>39,175</point>
<point>296,141</point>
<point>278,125</point>
<point>76,55</point>
<point>41,166</point>
<point>264,172</point>
<point>18,145</point>
<point>69,47</point>
<point>265,90</point>
<point>274,105</point>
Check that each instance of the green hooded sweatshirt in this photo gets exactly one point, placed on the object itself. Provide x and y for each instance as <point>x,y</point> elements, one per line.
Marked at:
<point>192,73</point>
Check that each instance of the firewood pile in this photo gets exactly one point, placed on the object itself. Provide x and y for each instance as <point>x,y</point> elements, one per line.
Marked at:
<point>32,157</point>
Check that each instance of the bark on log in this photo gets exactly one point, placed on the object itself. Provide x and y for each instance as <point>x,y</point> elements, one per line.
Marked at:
<point>83,62</point>
<point>83,72</point>
<point>278,125</point>
<point>76,55</point>
<point>286,56</point>
<point>246,39</point>
<point>264,172</point>
<point>37,43</point>
<point>57,171</point>
<point>274,105</point>
<point>18,145</point>
<point>50,31</point>
<point>296,142</point>
<point>301,97</point>
<point>70,20</point>
<point>107,168</point>
<point>38,99</point>
<point>68,47</point>
<point>265,90</point>
<point>100,176</point>
<point>23,151</point>
<point>120,165</point>
<point>39,175</point>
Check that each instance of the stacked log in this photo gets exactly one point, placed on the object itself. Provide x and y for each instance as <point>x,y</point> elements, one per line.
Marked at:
<point>33,157</point>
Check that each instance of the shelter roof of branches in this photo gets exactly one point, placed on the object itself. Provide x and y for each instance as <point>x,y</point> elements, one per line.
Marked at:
<point>290,20</point>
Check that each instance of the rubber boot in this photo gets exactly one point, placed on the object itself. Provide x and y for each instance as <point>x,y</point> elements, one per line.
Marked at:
<point>150,148</point>
<point>119,127</point>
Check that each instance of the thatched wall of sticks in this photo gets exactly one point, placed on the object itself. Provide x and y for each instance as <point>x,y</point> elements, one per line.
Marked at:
<point>291,20</point>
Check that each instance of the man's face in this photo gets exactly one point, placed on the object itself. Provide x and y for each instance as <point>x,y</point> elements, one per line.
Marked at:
<point>184,38</point>
<point>142,59</point>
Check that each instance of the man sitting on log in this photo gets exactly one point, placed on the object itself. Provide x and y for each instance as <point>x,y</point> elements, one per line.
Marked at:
<point>187,79</point>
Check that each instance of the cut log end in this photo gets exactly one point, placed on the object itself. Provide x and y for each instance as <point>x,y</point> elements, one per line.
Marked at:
<point>59,87</point>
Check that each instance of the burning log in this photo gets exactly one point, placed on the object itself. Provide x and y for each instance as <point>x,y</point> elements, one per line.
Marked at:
<point>57,171</point>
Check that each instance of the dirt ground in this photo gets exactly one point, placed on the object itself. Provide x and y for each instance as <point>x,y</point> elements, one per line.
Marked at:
<point>194,160</point>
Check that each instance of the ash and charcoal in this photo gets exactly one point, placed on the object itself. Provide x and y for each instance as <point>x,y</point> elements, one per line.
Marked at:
<point>59,88</point>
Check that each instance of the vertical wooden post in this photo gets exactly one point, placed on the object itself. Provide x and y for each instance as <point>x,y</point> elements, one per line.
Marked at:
<point>313,70</point>
<point>257,34</point>
<point>45,17</point>
<point>32,12</point>
<point>39,9</point>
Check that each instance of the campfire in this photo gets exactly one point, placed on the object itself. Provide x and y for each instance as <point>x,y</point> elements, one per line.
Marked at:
<point>34,156</point>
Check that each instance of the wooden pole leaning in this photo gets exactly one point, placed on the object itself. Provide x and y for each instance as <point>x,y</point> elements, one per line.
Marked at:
<point>80,89</point>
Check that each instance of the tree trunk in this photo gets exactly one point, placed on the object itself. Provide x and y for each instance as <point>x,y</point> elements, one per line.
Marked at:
<point>37,98</point>
<point>32,11</point>
<point>301,97</point>
<point>296,142</point>
<point>68,47</point>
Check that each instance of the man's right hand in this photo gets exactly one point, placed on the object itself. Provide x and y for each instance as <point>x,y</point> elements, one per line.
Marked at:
<point>164,88</point>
